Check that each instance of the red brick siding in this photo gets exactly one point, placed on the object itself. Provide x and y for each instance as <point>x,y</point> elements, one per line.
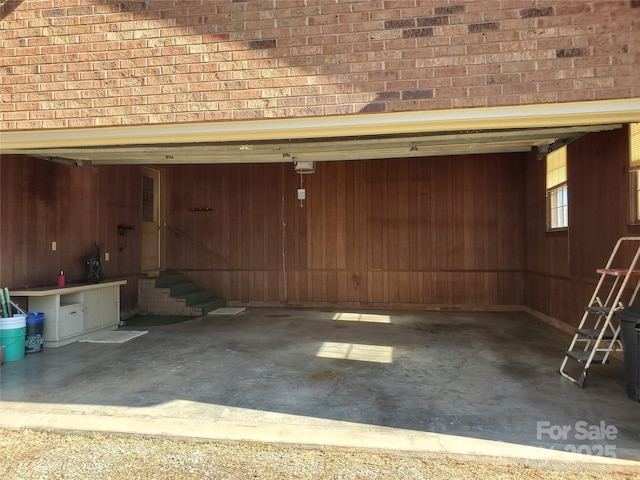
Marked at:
<point>82,63</point>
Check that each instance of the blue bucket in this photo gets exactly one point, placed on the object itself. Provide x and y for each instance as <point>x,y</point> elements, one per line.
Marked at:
<point>34,333</point>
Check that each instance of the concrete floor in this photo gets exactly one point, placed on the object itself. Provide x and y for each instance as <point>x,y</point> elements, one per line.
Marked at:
<point>425,382</point>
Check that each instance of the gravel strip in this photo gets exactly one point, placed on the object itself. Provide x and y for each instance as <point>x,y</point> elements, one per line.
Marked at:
<point>33,455</point>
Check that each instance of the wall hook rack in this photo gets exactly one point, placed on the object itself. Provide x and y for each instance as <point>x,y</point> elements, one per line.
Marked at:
<point>122,232</point>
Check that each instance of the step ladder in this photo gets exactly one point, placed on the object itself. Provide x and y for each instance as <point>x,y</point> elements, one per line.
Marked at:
<point>598,333</point>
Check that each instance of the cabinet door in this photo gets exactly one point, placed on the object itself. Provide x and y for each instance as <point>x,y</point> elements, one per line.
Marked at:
<point>70,321</point>
<point>93,310</point>
<point>50,307</point>
<point>110,306</point>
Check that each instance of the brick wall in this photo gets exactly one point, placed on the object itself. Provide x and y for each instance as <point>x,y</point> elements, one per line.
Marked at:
<point>83,63</point>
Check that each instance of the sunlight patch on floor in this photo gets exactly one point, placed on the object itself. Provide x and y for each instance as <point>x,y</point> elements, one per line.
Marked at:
<point>356,351</point>
<point>361,317</point>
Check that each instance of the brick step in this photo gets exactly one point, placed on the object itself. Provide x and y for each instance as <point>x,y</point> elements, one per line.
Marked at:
<point>194,298</point>
<point>178,289</point>
<point>170,279</point>
<point>206,307</point>
<point>173,294</point>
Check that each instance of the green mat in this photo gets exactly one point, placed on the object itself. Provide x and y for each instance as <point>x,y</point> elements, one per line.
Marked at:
<point>155,320</point>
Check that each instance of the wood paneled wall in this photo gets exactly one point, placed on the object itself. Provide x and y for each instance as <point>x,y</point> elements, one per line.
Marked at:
<point>423,231</point>
<point>560,267</point>
<point>465,230</point>
<point>42,202</point>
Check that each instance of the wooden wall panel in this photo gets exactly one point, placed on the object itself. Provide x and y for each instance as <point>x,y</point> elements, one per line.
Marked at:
<point>422,231</point>
<point>560,267</point>
<point>600,186</point>
<point>42,202</point>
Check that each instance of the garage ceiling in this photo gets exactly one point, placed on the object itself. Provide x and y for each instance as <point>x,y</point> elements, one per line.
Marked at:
<point>348,137</point>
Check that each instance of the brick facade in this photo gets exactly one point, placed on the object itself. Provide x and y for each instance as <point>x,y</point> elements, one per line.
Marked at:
<point>85,63</point>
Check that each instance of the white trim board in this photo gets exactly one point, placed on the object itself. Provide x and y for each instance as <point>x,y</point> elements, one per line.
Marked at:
<point>365,124</point>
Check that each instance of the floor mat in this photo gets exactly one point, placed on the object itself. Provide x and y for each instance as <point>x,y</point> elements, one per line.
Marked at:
<point>227,311</point>
<point>113,336</point>
<point>156,320</point>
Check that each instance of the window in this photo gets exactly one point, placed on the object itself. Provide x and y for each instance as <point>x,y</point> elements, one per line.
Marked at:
<point>634,171</point>
<point>148,200</point>
<point>557,194</point>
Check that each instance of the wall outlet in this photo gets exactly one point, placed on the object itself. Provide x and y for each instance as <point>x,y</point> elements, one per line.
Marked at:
<point>106,256</point>
<point>54,246</point>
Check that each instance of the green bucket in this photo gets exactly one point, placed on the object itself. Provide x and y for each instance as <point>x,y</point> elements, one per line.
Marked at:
<point>13,332</point>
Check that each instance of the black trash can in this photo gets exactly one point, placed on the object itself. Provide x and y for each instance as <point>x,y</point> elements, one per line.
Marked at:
<point>630,336</point>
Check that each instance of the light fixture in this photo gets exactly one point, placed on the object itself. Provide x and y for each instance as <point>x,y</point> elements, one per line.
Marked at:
<point>304,167</point>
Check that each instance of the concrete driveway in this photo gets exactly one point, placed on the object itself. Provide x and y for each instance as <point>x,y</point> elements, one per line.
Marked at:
<point>470,384</point>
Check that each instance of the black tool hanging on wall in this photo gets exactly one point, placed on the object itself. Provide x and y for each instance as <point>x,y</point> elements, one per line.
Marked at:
<point>94,266</point>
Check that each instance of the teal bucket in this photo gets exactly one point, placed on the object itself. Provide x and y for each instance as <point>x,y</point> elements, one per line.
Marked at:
<point>12,337</point>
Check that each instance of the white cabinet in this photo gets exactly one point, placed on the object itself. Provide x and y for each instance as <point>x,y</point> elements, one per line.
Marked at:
<point>70,321</point>
<point>73,311</point>
<point>110,306</point>
<point>101,308</point>
<point>93,310</point>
